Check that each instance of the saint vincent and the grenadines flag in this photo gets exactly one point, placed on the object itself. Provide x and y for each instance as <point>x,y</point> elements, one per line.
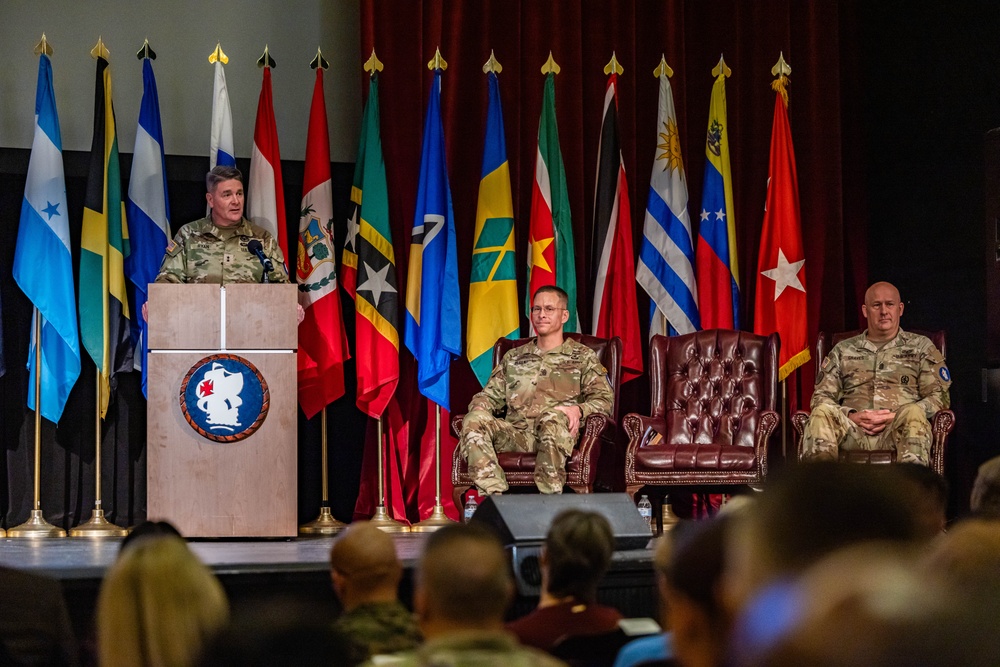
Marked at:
<point>551,256</point>
<point>104,325</point>
<point>433,309</point>
<point>493,284</point>
<point>376,296</point>
<point>780,302</point>
<point>717,270</point>
<point>43,267</point>
<point>322,340</point>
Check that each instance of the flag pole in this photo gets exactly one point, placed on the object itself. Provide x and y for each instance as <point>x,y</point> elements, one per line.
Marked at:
<point>381,518</point>
<point>36,525</point>
<point>324,524</point>
<point>437,518</point>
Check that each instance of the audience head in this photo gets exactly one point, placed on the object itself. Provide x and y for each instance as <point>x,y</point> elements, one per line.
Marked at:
<point>363,566</point>
<point>968,555</point>
<point>157,605</point>
<point>985,498</point>
<point>928,494</point>
<point>576,555</point>
<point>463,581</point>
<point>148,529</point>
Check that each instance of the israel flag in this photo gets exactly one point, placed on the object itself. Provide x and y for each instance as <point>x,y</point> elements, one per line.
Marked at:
<point>43,267</point>
<point>222,151</point>
<point>148,209</point>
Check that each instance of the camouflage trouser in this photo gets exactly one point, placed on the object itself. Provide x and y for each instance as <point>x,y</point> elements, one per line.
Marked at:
<point>909,434</point>
<point>484,435</point>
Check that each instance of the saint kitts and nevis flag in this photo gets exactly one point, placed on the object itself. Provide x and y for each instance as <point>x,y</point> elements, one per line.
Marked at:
<point>551,255</point>
<point>780,303</point>
<point>43,266</point>
<point>615,309</point>
<point>433,310</point>
<point>148,209</point>
<point>266,195</point>
<point>104,317</point>
<point>718,273</point>
<point>322,339</point>
<point>493,285</point>
<point>370,263</point>
<point>666,257</point>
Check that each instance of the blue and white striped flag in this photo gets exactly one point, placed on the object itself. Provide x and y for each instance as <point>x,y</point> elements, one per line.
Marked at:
<point>43,267</point>
<point>666,258</point>
<point>222,151</point>
<point>148,208</point>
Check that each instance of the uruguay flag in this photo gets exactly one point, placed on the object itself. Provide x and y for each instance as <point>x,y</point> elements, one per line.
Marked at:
<point>43,267</point>
<point>433,310</point>
<point>147,207</point>
<point>222,151</point>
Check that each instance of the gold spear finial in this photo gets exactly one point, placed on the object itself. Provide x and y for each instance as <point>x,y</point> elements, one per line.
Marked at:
<point>100,51</point>
<point>43,47</point>
<point>614,66</point>
<point>146,51</point>
<point>437,62</point>
<point>781,70</point>
<point>663,68</point>
<point>373,64</point>
<point>218,55</point>
<point>492,65</point>
<point>266,60</point>
<point>722,69</point>
<point>551,65</point>
<point>319,61</point>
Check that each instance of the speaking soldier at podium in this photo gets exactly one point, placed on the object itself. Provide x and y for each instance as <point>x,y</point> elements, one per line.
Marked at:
<point>224,247</point>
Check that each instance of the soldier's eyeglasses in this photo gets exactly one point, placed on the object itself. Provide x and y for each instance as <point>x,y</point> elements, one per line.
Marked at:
<point>548,310</point>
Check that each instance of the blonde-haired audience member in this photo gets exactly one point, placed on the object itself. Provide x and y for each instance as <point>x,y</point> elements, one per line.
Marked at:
<point>157,606</point>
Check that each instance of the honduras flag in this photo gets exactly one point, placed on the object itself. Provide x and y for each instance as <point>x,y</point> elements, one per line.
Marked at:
<point>433,310</point>
<point>148,209</point>
<point>222,151</point>
<point>43,267</point>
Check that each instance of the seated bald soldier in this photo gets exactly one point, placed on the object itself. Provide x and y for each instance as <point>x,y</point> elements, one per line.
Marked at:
<point>366,573</point>
<point>548,388</point>
<point>879,389</point>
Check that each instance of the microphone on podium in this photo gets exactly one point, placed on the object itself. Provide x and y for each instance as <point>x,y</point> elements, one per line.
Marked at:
<point>256,248</point>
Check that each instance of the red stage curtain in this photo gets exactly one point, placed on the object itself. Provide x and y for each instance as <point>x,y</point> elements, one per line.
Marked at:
<point>819,40</point>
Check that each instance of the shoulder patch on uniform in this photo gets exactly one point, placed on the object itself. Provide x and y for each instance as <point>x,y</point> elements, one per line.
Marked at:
<point>171,245</point>
<point>944,373</point>
<point>826,362</point>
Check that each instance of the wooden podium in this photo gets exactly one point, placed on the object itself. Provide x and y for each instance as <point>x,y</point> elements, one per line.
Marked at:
<point>235,485</point>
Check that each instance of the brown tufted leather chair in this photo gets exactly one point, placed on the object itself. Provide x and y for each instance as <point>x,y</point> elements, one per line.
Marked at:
<point>596,433</point>
<point>713,397</point>
<point>942,422</point>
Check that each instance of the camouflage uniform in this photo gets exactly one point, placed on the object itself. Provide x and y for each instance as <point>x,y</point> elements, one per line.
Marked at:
<point>530,383</point>
<point>202,252</point>
<point>472,648</point>
<point>906,375</point>
<point>378,628</point>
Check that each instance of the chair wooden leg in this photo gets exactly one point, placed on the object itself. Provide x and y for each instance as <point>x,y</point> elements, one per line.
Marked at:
<point>581,488</point>
<point>456,497</point>
<point>633,490</point>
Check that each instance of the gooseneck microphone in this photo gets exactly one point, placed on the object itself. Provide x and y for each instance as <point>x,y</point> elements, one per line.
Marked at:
<point>256,248</point>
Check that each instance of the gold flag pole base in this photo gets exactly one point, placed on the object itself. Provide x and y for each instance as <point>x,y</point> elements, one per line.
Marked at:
<point>386,523</point>
<point>36,527</point>
<point>437,519</point>
<point>324,524</point>
<point>98,527</point>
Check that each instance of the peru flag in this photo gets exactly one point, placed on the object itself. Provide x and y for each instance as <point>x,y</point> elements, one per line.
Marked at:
<point>265,197</point>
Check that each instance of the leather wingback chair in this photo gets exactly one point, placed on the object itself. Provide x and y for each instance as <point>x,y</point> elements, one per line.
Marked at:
<point>942,422</point>
<point>597,433</point>
<point>713,396</point>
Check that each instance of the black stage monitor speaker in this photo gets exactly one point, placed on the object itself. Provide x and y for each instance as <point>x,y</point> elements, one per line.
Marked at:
<point>525,518</point>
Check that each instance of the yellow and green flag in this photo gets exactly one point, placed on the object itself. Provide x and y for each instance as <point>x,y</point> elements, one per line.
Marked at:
<point>493,287</point>
<point>104,325</point>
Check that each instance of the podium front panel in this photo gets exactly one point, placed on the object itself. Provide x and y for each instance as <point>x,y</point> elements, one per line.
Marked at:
<point>261,317</point>
<point>245,488</point>
<point>184,317</point>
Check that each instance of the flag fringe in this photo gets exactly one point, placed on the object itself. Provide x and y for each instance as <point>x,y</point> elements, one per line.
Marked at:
<point>793,363</point>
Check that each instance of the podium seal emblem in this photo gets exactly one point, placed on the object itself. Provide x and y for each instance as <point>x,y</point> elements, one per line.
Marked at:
<point>224,398</point>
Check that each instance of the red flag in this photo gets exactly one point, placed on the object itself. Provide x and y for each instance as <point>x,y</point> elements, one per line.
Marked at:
<point>615,309</point>
<point>266,196</point>
<point>780,302</point>
<point>322,340</point>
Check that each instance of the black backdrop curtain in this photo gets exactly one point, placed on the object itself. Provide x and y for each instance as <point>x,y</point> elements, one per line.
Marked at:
<point>818,39</point>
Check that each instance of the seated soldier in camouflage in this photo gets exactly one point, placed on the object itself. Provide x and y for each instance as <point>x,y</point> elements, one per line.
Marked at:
<point>879,389</point>
<point>366,573</point>
<point>548,388</point>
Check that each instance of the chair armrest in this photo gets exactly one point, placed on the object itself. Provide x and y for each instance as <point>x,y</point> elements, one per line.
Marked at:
<point>594,428</point>
<point>456,424</point>
<point>635,426</point>
<point>767,422</point>
<point>942,422</point>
